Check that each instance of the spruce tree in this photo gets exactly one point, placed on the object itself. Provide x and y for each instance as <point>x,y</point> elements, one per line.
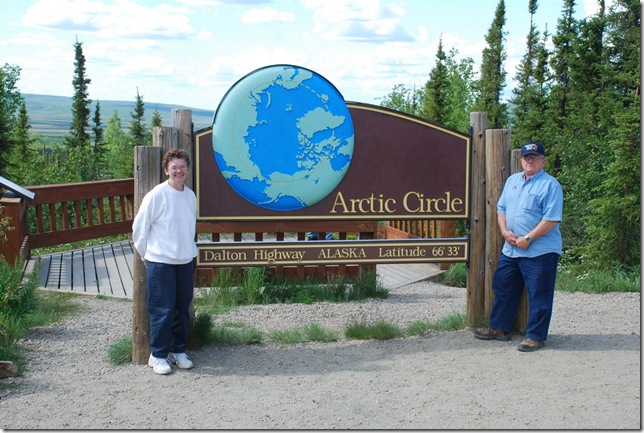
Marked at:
<point>435,89</point>
<point>157,118</point>
<point>78,137</point>
<point>138,133</point>
<point>529,99</point>
<point>22,139</point>
<point>99,150</point>
<point>492,78</point>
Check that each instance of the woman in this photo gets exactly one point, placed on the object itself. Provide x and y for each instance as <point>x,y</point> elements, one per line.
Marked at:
<point>163,233</point>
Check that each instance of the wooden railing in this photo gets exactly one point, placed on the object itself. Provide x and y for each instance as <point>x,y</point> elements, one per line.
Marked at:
<point>66,213</point>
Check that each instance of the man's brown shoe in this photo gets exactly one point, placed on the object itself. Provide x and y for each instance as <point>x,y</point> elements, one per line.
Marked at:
<point>530,345</point>
<point>491,334</point>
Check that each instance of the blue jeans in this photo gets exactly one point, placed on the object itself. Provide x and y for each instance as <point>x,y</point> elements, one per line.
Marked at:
<point>170,291</point>
<point>538,275</point>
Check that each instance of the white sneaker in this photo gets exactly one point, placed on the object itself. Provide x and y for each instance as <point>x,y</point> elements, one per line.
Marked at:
<point>159,365</point>
<point>181,360</point>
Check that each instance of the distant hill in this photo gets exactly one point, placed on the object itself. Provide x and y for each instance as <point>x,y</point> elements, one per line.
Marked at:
<point>52,115</point>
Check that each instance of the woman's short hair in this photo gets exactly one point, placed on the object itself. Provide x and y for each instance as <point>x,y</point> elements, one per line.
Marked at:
<point>175,154</point>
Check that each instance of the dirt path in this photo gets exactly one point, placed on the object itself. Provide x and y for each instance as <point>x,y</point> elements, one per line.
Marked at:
<point>587,377</point>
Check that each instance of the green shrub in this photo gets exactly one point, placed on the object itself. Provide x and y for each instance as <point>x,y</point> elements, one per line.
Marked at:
<point>311,332</point>
<point>455,275</point>
<point>17,300</point>
<point>419,327</point>
<point>379,330</point>
<point>288,336</point>
<point>235,334</point>
<point>314,332</point>
<point>598,281</point>
<point>451,322</point>
<point>200,330</point>
<point>120,352</point>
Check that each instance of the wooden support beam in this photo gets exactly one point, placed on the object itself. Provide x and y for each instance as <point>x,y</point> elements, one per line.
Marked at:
<point>521,321</point>
<point>147,172</point>
<point>182,121</point>
<point>497,171</point>
<point>476,269</point>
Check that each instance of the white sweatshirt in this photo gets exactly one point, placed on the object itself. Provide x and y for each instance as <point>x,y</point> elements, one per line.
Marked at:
<point>164,228</point>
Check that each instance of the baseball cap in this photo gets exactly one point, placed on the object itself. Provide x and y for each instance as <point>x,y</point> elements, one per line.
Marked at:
<point>533,147</point>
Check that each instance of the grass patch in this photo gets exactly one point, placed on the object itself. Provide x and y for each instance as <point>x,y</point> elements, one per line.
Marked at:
<point>288,336</point>
<point>598,281</point>
<point>455,275</point>
<point>235,334</point>
<point>200,330</point>
<point>310,332</point>
<point>379,330</point>
<point>120,352</point>
<point>452,322</point>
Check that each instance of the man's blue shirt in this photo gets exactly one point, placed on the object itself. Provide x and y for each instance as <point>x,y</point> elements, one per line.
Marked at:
<point>525,204</point>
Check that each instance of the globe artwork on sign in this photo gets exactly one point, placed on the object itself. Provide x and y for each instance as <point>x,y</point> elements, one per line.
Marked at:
<point>283,137</point>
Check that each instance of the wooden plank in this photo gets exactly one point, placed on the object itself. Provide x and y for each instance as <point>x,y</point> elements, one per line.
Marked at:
<point>102,276</point>
<point>29,266</point>
<point>65,283</point>
<point>396,275</point>
<point>45,264</point>
<point>124,272</point>
<point>78,272</point>
<point>86,268</point>
<point>53,279</point>
<point>128,252</point>
<point>112,271</point>
<point>89,272</point>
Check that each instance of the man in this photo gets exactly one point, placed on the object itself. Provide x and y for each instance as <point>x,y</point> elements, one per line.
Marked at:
<point>528,213</point>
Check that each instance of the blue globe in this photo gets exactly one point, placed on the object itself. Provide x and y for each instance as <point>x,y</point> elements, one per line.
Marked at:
<point>283,137</point>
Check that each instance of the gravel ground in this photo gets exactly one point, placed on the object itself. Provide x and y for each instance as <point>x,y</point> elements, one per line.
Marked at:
<point>588,376</point>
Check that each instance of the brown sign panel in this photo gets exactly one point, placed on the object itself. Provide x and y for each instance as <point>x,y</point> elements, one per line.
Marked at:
<point>332,252</point>
<point>401,167</point>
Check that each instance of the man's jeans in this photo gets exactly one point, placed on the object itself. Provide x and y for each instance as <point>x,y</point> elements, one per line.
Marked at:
<point>538,275</point>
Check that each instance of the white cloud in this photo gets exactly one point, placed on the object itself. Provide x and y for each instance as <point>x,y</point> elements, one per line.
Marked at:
<point>123,18</point>
<point>358,20</point>
<point>266,15</point>
<point>204,35</point>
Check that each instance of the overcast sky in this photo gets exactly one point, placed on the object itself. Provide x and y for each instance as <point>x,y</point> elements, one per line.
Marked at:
<point>190,52</point>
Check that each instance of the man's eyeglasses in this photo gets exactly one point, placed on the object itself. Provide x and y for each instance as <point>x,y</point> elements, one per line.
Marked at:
<point>532,157</point>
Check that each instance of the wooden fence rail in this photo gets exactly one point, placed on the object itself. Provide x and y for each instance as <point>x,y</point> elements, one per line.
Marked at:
<point>66,213</point>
